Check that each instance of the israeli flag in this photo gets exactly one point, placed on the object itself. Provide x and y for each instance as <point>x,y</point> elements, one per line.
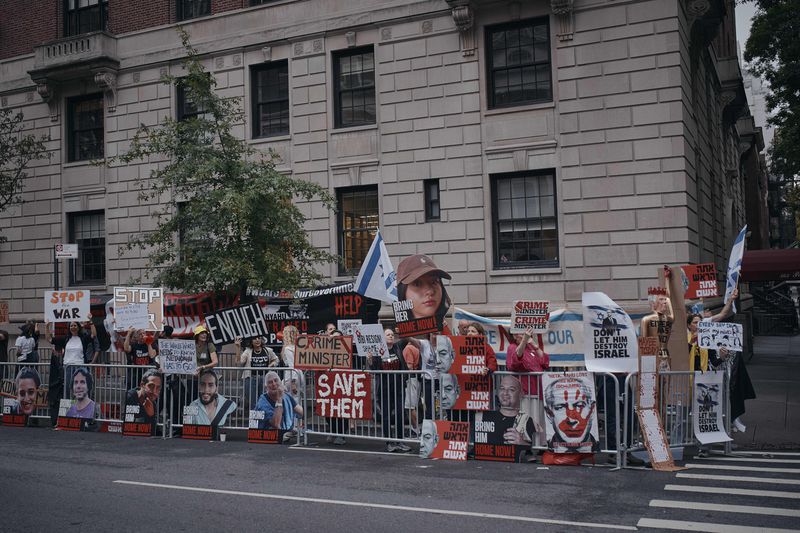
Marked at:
<point>377,278</point>
<point>735,266</point>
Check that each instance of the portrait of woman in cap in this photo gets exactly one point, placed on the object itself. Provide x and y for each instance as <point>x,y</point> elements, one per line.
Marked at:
<point>420,280</point>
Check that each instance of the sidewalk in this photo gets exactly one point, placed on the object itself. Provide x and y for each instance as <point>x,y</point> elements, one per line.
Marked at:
<point>773,418</point>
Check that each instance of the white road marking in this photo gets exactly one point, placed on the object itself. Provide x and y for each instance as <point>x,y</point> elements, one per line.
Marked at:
<point>705,526</point>
<point>382,506</point>
<point>745,509</point>
<point>398,454</point>
<point>752,459</point>
<point>786,454</point>
<point>744,468</point>
<point>748,479</point>
<point>735,491</point>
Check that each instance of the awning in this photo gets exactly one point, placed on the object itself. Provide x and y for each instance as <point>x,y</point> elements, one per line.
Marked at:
<point>771,265</point>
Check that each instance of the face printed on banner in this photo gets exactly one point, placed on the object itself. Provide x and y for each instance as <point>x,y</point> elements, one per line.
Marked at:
<point>450,390</point>
<point>444,354</point>
<point>208,388</point>
<point>426,293</point>
<point>509,393</point>
<point>152,388</point>
<point>429,438</point>
<point>26,395</point>
<point>570,405</point>
<point>79,386</point>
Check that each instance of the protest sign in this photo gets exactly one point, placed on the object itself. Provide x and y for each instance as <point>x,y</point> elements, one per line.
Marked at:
<point>563,342</point>
<point>65,422</point>
<point>343,395</point>
<point>370,341</point>
<point>495,434</point>
<point>321,352</point>
<point>530,314</point>
<point>496,330</point>
<point>469,392</point>
<point>135,424</point>
<point>407,324</point>
<point>444,440</point>
<point>177,356</point>
<point>708,400</point>
<point>150,318</point>
<point>3,312</point>
<point>347,327</point>
<point>11,416</point>
<point>571,411</point>
<point>716,335</point>
<point>261,436</point>
<point>648,382</point>
<point>608,334</point>
<point>470,354</point>
<point>655,440</point>
<point>699,281</point>
<point>66,306</point>
<point>245,321</point>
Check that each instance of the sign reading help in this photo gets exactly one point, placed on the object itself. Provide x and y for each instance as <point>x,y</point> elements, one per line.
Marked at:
<point>66,306</point>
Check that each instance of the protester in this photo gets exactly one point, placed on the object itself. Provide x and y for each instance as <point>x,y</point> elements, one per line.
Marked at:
<point>389,392</point>
<point>212,408</point>
<point>205,351</point>
<point>255,359</point>
<point>82,388</point>
<point>413,360</point>
<point>3,345</point>
<point>280,409</point>
<point>330,327</point>
<point>55,387</point>
<point>698,357</point>
<point>79,345</point>
<point>477,329</point>
<point>146,397</point>
<point>27,343</point>
<point>524,355</point>
<point>28,382</point>
<point>290,379</point>
<point>420,280</point>
<point>139,352</point>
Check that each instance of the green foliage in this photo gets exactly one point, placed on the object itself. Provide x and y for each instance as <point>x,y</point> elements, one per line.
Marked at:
<point>224,201</point>
<point>16,152</point>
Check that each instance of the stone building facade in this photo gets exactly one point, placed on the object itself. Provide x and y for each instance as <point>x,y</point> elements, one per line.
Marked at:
<point>534,148</point>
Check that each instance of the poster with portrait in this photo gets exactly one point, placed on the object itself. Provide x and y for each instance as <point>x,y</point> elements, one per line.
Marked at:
<point>609,335</point>
<point>12,415</point>
<point>23,396</point>
<point>410,324</point>
<point>497,436</point>
<point>699,281</point>
<point>256,432</point>
<point>442,439</point>
<point>708,406</point>
<point>348,326</point>
<point>570,408</point>
<point>469,354</point>
<point>370,341</point>
<point>79,412</point>
<point>66,305</point>
<point>209,411</point>
<point>139,308</point>
<point>468,392</point>
<point>323,352</point>
<point>343,395</point>
<point>718,335</point>
<point>530,314</point>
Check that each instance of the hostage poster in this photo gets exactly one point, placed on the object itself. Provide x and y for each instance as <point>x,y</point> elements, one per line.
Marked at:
<point>609,335</point>
<point>570,408</point>
<point>708,406</point>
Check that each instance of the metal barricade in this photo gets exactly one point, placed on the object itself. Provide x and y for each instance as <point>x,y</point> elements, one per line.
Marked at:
<point>400,400</point>
<point>675,407</point>
<point>44,354</point>
<point>11,374</point>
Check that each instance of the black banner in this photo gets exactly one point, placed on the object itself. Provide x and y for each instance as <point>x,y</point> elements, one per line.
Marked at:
<point>245,321</point>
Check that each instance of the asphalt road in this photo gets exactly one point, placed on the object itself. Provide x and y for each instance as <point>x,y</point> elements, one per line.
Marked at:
<point>55,480</point>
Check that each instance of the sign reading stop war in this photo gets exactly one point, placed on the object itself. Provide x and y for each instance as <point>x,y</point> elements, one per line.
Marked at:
<point>177,356</point>
<point>344,395</point>
<point>146,308</point>
<point>246,321</point>
<point>321,352</point>
<point>699,281</point>
<point>66,306</point>
<point>527,314</point>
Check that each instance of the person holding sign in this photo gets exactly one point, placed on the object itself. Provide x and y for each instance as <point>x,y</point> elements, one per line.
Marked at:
<point>27,343</point>
<point>389,390</point>
<point>255,359</point>
<point>524,355</point>
<point>80,347</point>
<point>139,352</point>
<point>280,409</point>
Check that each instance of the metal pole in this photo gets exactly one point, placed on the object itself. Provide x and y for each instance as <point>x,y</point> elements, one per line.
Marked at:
<point>55,270</point>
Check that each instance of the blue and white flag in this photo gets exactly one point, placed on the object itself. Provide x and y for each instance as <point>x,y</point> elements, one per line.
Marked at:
<point>377,278</point>
<point>735,266</point>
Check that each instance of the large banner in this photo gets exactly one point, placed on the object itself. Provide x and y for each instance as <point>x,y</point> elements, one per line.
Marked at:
<point>530,314</point>
<point>343,395</point>
<point>571,409</point>
<point>323,352</point>
<point>716,335</point>
<point>708,406</point>
<point>139,308</point>
<point>699,281</point>
<point>245,321</point>
<point>66,306</point>
<point>177,356</point>
<point>444,440</point>
<point>609,335</point>
<point>497,434</point>
<point>408,324</point>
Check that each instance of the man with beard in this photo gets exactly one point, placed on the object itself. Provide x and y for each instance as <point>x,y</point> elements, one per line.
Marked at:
<point>82,385</point>
<point>570,408</point>
<point>146,397</point>
<point>212,408</point>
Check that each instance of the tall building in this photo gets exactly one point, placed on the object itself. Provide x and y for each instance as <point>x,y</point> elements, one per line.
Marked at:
<point>534,148</point>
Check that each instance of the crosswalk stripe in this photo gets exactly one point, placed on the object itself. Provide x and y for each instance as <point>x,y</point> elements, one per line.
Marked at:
<point>752,459</point>
<point>783,454</point>
<point>705,526</point>
<point>748,479</point>
<point>744,468</point>
<point>735,491</point>
<point>744,509</point>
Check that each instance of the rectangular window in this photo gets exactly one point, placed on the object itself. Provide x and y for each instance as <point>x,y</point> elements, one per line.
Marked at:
<point>190,9</point>
<point>270,94</point>
<point>186,107</point>
<point>88,231</point>
<point>354,87</point>
<point>85,16</point>
<point>85,128</point>
<point>518,59</point>
<point>432,212</point>
<point>260,2</point>
<point>524,220</point>
<point>357,225</point>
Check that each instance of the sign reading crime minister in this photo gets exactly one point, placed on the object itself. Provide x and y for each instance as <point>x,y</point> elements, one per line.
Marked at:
<point>528,314</point>
<point>321,352</point>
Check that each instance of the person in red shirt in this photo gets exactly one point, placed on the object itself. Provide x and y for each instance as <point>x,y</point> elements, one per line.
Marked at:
<point>524,355</point>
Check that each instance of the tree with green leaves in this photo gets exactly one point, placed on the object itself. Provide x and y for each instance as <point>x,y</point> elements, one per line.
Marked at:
<point>16,153</point>
<point>227,220</point>
<point>773,54</point>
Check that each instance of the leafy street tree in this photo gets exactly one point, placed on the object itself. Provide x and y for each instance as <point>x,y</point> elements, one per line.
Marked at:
<point>16,152</point>
<point>225,204</point>
<point>773,53</point>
